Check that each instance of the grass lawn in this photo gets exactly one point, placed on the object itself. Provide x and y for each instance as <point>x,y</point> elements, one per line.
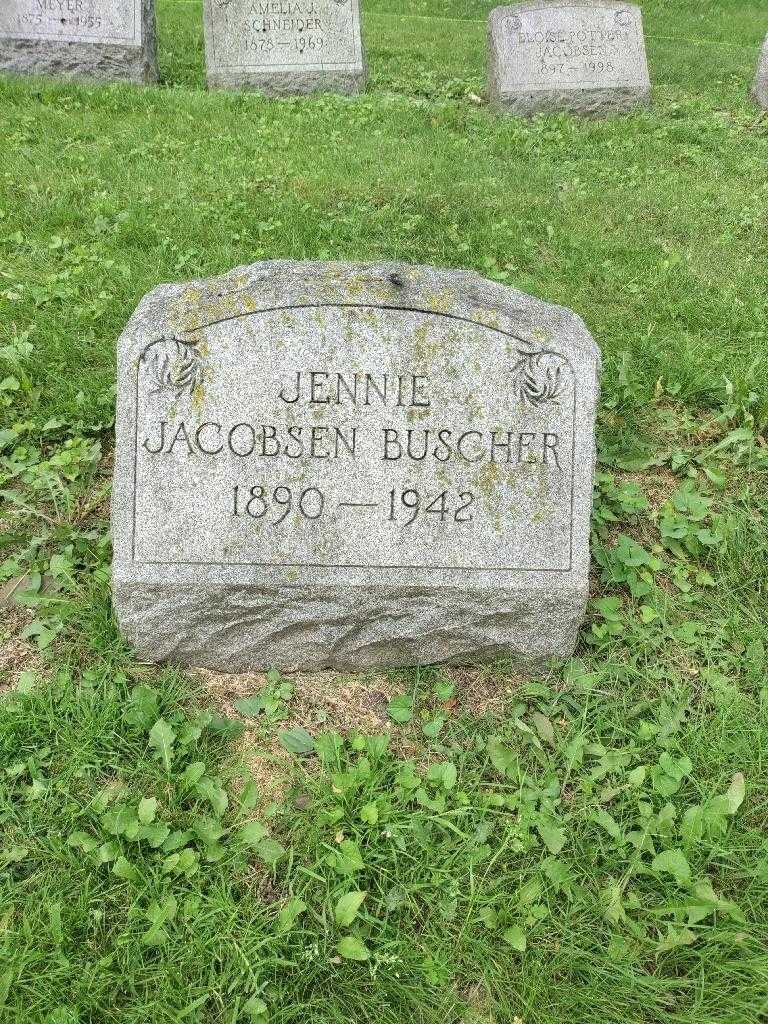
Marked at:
<point>430,846</point>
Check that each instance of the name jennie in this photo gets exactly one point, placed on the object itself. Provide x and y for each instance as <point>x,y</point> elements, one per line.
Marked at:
<point>315,387</point>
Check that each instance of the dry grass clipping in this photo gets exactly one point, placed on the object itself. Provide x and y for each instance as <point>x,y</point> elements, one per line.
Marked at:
<point>17,655</point>
<point>320,701</point>
<point>346,703</point>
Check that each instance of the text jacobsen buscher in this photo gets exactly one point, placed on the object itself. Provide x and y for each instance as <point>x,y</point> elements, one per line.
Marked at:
<point>438,442</point>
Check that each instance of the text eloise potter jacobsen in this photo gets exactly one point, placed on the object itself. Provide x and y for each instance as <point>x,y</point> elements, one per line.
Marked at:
<point>315,388</point>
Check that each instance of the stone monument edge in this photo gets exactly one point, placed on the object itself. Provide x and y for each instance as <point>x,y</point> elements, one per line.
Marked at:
<point>546,100</point>
<point>120,63</point>
<point>542,5</point>
<point>565,594</point>
<point>348,81</point>
<point>151,320</point>
<point>759,90</point>
<point>394,275</point>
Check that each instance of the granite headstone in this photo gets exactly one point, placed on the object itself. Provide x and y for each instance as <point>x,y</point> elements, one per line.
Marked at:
<point>349,465</point>
<point>760,88</point>
<point>284,47</point>
<point>105,40</point>
<point>580,56</point>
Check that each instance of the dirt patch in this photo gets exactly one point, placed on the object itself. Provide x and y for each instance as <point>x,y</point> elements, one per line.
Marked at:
<point>658,486</point>
<point>17,654</point>
<point>269,765</point>
<point>349,704</point>
<point>358,703</point>
<point>320,701</point>
<point>479,1004</point>
<point>482,691</point>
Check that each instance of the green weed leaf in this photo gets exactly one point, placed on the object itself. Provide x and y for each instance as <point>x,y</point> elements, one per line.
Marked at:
<point>119,819</point>
<point>249,796</point>
<point>290,913</point>
<point>608,822</point>
<point>351,948</point>
<point>54,923</point>
<point>193,773</point>
<point>328,746</point>
<point>433,729</point>
<point>6,980</point>
<point>125,870</point>
<point>251,834</point>
<point>256,1010</point>
<point>515,937</point>
<point>158,914</point>
<point>400,709</point>
<point>297,741</point>
<point>347,908</point>
<point>502,757</point>
<point>348,859</point>
<point>270,851</point>
<point>675,863</point>
<point>552,836</point>
<point>636,777</point>
<point>214,794</point>
<point>155,834</point>
<point>444,774</point>
<point>107,852</point>
<point>147,810</point>
<point>544,727</point>
<point>143,708</point>
<point>176,840</point>
<point>83,841</point>
<point>369,813</point>
<point>208,831</point>
<point>251,707</point>
<point>185,863</point>
<point>675,938</point>
<point>735,794</point>
<point>162,737</point>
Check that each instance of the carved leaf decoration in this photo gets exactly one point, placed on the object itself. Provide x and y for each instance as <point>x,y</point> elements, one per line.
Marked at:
<point>175,365</point>
<point>538,377</point>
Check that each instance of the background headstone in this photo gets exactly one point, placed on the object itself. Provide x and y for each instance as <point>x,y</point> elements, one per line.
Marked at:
<point>341,465</point>
<point>284,47</point>
<point>582,57</point>
<point>760,88</point>
<point>107,40</point>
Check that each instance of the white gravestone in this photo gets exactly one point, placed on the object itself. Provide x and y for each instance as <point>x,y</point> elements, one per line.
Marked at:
<point>760,88</point>
<point>284,47</point>
<point>346,466</point>
<point>582,57</point>
<point>106,40</point>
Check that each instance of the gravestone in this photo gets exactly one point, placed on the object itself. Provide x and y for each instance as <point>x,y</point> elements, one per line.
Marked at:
<point>582,57</point>
<point>284,47</point>
<point>106,40</point>
<point>346,466</point>
<point>760,88</point>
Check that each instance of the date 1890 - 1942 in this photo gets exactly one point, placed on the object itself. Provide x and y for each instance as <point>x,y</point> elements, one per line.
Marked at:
<point>402,506</point>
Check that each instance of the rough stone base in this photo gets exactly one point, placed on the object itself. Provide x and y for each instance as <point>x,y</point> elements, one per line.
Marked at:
<point>89,61</point>
<point>586,102</point>
<point>291,83</point>
<point>233,628</point>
